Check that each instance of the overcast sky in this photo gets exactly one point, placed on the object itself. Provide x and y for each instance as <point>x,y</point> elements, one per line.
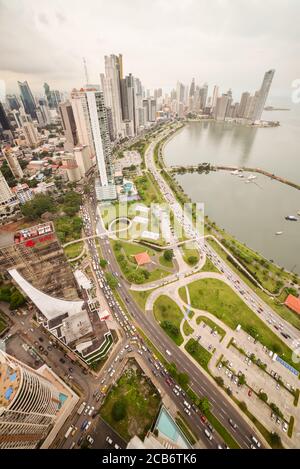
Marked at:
<point>228,42</point>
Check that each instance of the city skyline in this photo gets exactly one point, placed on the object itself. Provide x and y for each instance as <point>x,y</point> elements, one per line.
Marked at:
<point>223,26</point>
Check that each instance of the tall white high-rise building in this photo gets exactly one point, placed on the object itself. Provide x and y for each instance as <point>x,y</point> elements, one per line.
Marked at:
<point>8,201</point>
<point>262,95</point>
<point>28,406</point>
<point>111,87</point>
<point>100,133</point>
<point>30,134</point>
<point>82,121</point>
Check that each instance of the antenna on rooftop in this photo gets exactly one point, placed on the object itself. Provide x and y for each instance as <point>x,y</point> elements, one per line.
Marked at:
<point>85,71</point>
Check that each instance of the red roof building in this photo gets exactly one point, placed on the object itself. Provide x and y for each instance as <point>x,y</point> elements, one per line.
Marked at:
<point>142,258</point>
<point>293,303</point>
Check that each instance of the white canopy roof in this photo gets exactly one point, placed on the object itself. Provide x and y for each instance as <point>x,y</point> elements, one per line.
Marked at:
<point>50,307</point>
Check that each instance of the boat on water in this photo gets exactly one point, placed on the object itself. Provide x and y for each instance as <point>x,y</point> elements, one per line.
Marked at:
<point>251,177</point>
<point>279,233</point>
<point>291,218</point>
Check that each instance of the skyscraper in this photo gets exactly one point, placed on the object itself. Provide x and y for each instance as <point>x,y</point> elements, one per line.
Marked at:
<point>8,201</point>
<point>243,103</point>
<point>100,133</point>
<point>82,120</point>
<point>111,87</point>
<point>262,95</point>
<point>27,99</point>
<point>4,122</point>
<point>29,404</point>
<point>221,107</point>
<point>13,163</point>
<point>69,125</point>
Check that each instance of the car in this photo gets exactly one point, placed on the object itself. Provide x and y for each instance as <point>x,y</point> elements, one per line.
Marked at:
<point>86,410</point>
<point>232,423</point>
<point>285,427</point>
<point>117,446</point>
<point>203,418</point>
<point>41,339</point>
<point>186,404</point>
<point>208,434</point>
<point>175,391</point>
<point>255,440</point>
<point>90,439</point>
<point>250,393</point>
<point>91,410</point>
<point>109,440</point>
<point>80,440</point>
<point>252,446</point>
<point>210,427</point>
<point>187,411</point>
<point>168,381</point>
<point>71,370</point>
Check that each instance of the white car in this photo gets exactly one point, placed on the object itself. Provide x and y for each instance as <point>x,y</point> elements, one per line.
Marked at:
<point>91,410</point>
<point>109,440</point>
<point>86,409</point>
<point>90,439</point>
<point>187,411</point>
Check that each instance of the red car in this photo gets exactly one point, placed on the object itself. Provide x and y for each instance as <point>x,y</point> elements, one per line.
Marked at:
<point>169,382</point>
<point>249,393</point>
<point>203,418</point>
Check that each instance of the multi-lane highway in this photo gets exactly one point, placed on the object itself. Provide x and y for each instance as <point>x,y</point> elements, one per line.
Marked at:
<point>285,331</point>
<point>222,409</point>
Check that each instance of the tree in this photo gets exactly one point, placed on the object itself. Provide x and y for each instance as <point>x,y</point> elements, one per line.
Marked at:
<point>111,280</point>
<point>40,204</point>
<point>168,255</point>
<point>103,263</point>
<point>242,379</point>
<point>171,328</point>
<point>276,409</point>
<point>263,396</point>
<point>275,439</point>
<point>118,410</point>
<point>192,260</point>
<point>204,405</point>
<point>220,381</point>
<point>243,406</point>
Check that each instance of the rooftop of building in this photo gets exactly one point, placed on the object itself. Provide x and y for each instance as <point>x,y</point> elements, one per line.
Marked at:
<point>142,258</point>
<point>293,303</point>
<point>49,306</point>
<point>10,377</point>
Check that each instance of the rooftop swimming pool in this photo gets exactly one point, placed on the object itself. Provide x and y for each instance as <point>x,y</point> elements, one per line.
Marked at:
<point>166,425</point>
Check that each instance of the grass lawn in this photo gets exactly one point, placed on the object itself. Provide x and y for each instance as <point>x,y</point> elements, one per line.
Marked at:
<point>282,310</point>
<point>73,250</point>
<point>212,325</point>
<point>140,297</point>
<point>165,309</point>
<point>147,190</point>
<point>124,253</point>
<point>189,250</point>
<point>199,353</point>
<point>216,297</point>
<point>187,329</point>
<point>141,402</point>
<point>183,295</point>
<point>165,263</point>
<point>209,266</point>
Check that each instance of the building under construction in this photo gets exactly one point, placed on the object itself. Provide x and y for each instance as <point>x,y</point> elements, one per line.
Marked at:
<point>37,254</point>
<point>34,259</point>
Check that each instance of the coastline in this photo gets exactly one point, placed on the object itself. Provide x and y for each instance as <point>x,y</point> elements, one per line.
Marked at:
<point>170,172</point>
